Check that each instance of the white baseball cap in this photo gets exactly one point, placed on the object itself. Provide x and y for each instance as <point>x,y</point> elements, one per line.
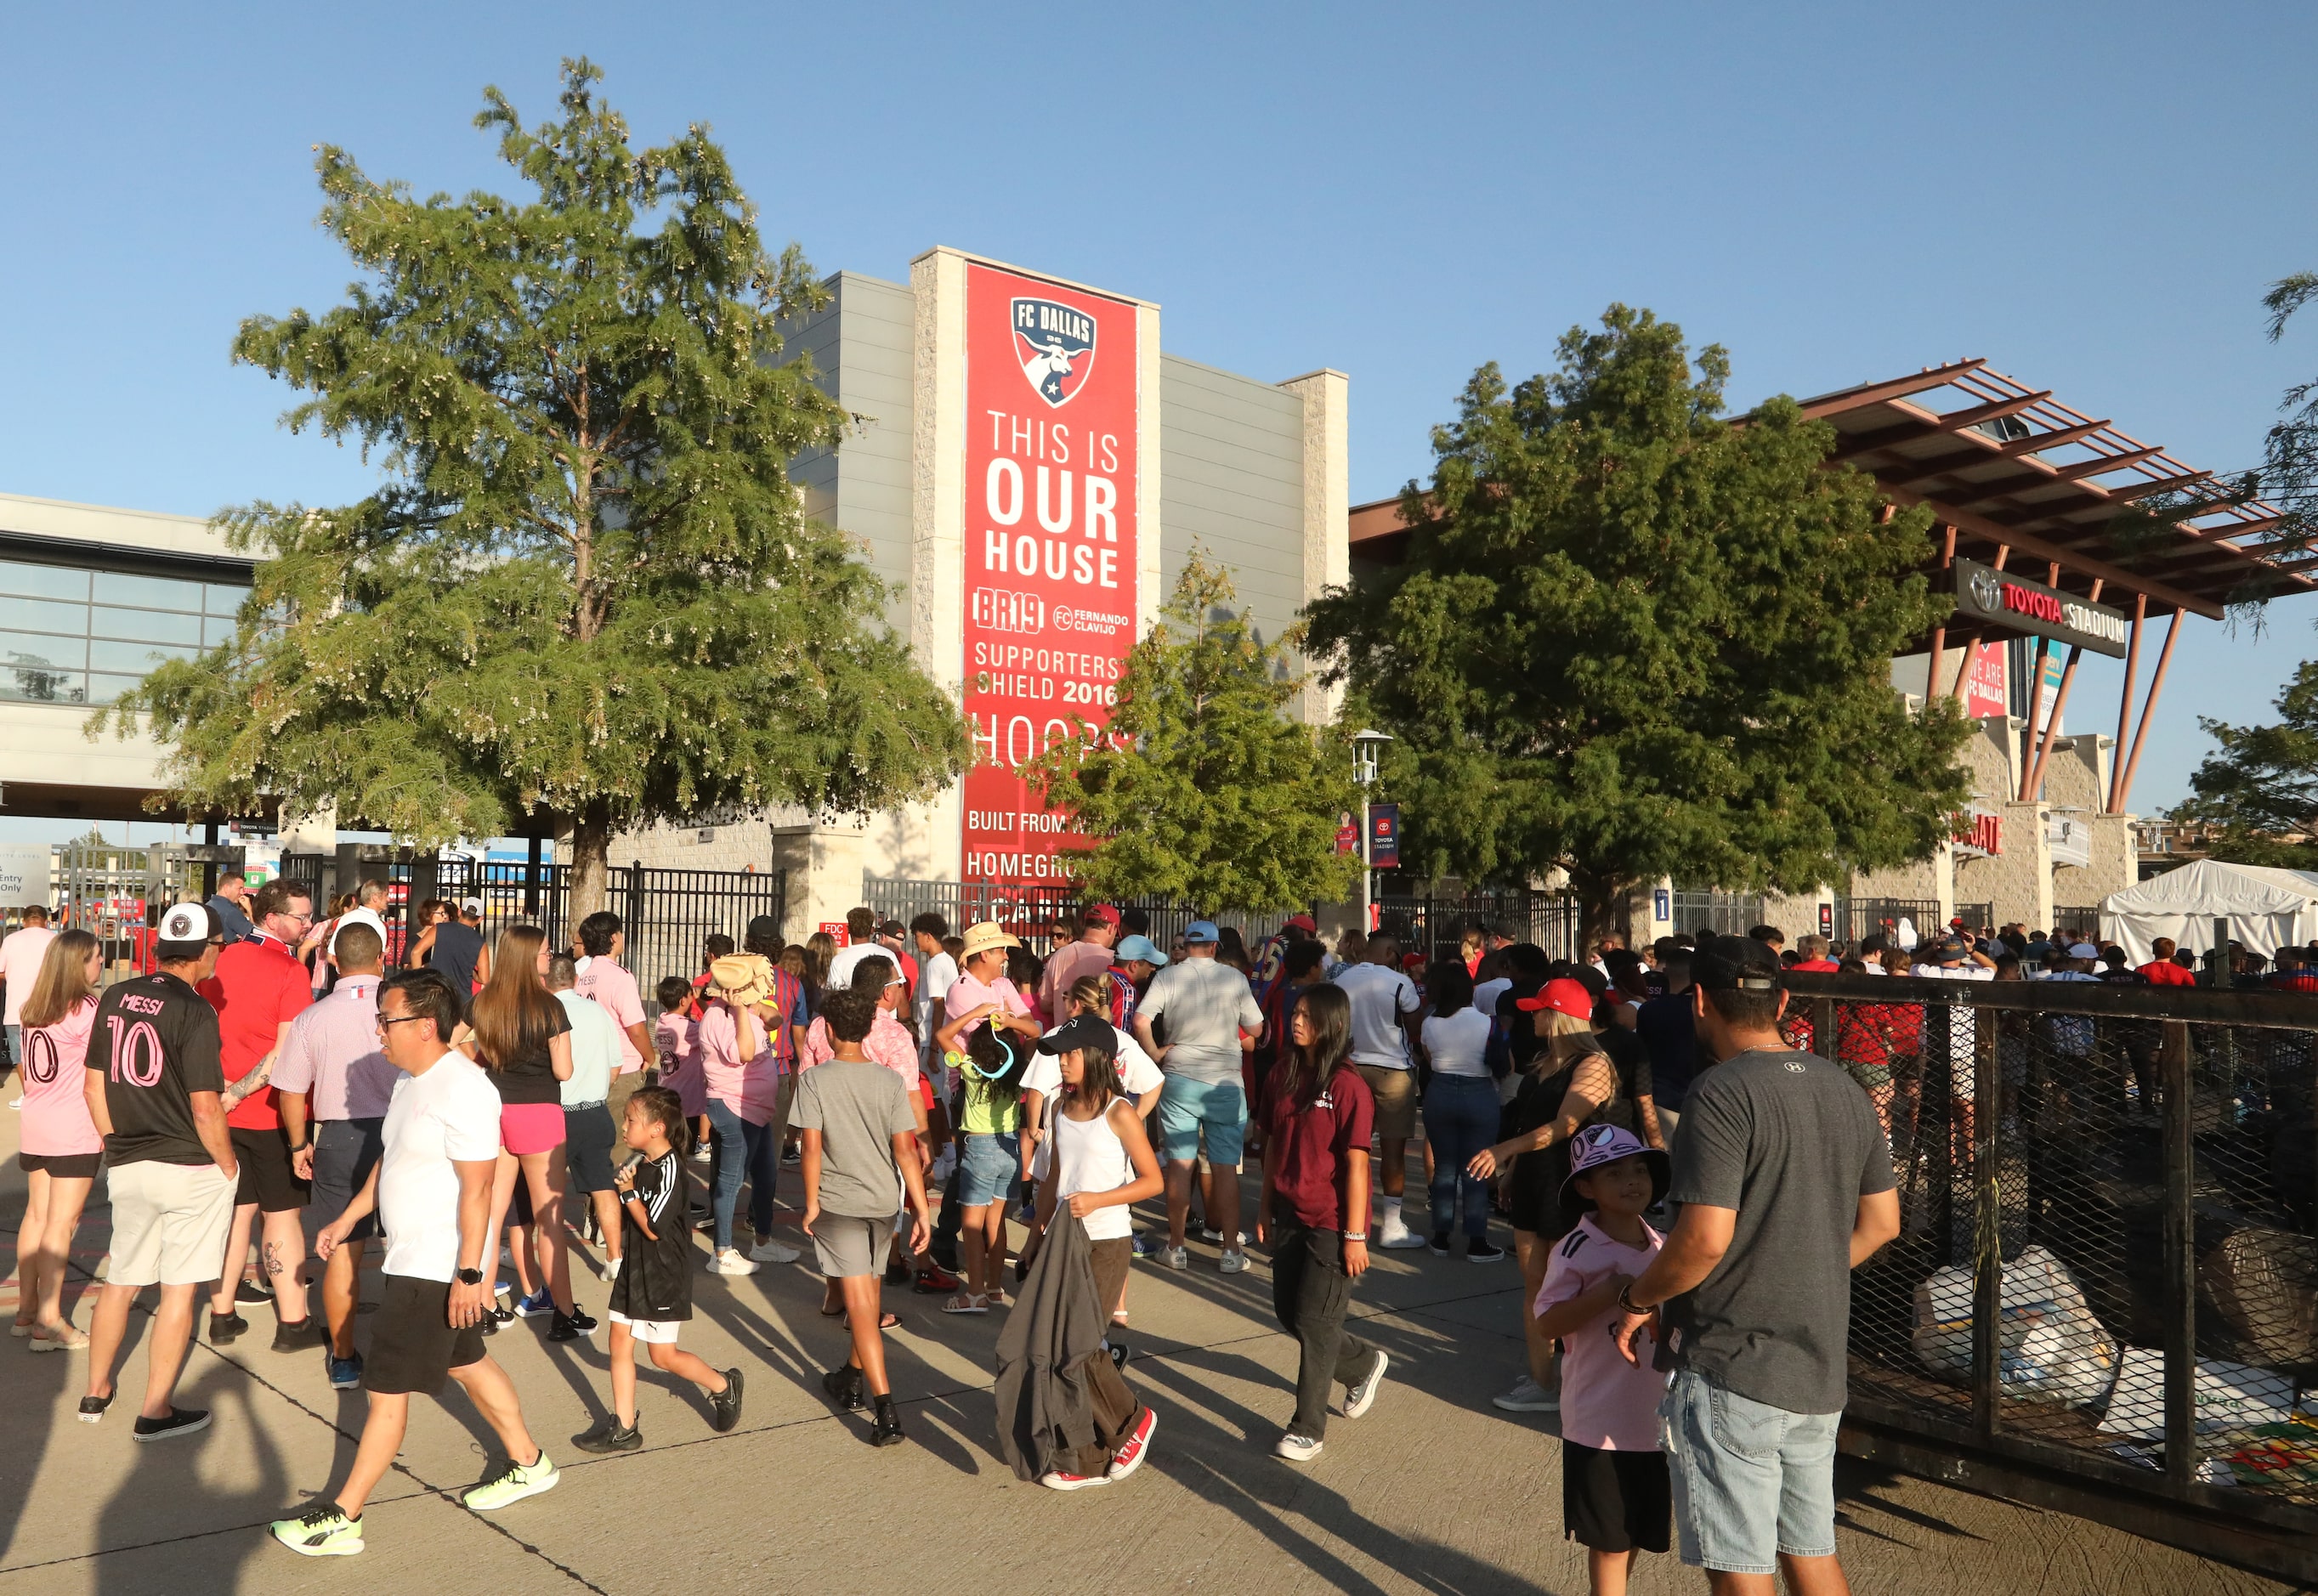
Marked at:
<point>190,922</point>
<point>358,917</point>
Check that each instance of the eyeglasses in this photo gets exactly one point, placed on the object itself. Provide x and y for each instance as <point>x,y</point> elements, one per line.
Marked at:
<point>383,1022</point>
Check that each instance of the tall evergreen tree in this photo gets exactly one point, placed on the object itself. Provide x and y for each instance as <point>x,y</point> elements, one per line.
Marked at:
<point>1631,639</point>
<point>2259,789</point>
<point>1201,787</point>
<point>586,587</point>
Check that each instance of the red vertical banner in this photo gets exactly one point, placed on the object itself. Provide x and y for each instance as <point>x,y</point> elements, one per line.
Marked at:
<point>1984,691</point>
<point>1053,380</point>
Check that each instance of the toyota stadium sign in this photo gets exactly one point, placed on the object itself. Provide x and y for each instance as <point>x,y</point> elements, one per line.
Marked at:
<point>2009,603</point>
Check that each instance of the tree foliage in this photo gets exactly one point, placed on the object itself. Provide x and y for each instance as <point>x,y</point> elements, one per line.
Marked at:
<point>587,586</point>
<point>1201,787</point>
<point>1631,639</point>
<point>2260,788</point>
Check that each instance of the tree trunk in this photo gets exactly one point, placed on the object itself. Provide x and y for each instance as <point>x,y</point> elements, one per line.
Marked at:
<point>591,853</point>
<point>1599,900</point>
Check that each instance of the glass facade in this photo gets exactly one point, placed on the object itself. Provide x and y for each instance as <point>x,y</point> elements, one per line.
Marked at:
<point>74,636</point>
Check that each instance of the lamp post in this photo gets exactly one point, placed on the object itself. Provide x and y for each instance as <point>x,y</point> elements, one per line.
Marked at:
<point>1367,744</point>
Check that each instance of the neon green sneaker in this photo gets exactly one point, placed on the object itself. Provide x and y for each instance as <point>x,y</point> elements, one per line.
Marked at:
<point>322,1531</point>
<point>510,1483</point>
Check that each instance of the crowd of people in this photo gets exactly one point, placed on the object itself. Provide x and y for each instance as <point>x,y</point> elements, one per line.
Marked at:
<point>282,1093</point>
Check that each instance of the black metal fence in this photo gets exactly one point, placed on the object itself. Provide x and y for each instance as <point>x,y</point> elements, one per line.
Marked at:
<point>2107,1277</point>
<point>2078,924</point>
<point>1035,912</point>
<point>667,915</point>
<point>1697,908</point>
<point>1858,918</point>
<point>1435,926</point>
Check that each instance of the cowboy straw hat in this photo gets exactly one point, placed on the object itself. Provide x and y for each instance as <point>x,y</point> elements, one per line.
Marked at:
<point>746,978</point>
<point>984,937</point>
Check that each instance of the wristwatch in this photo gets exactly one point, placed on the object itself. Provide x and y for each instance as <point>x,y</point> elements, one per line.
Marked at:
<point>470,1277</point>
<point>1626,1302</point>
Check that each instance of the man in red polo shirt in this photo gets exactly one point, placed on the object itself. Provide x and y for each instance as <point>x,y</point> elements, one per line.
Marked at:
<point>2162,970</point>
<point>259,988</point>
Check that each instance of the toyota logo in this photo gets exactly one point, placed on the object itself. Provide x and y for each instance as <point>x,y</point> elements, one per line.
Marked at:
<point>1987,590</point>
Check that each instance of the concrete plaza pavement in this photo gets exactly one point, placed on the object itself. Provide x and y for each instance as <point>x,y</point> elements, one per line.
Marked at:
<point>1433,1491</point>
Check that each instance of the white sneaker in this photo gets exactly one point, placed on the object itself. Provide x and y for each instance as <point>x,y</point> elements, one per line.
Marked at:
<point>1397,1233</point>
<point>1232,1262</point>
<point>1360,1396</point>
<point>1528,1396</point>
<point>1208,1232</point>
<point>772,1252</point>
<point>1297,1448</point>
<point>1175,1258</point>
<point>731,1262</point>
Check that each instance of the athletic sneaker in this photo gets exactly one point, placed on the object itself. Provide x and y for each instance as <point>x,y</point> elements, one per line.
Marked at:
<point>1209,1233</point>
<point>1528,1396</point>
<point>1130,1455</point>
<point>1148,1245</point>
<point>510,1483</point>
<point>250,1291</point>
<point>180,1421</point>
<point>1232,1262</point>
<point>1360,1395</point>
<point>769,1251</point>
<point>1055,1479</point>
<point>1397,1235</point>
<point>609,1435</point>
<point>1483,1252</point>
<point>300,1335</point>
<point>725,1404</point>
<point>345,1373</point>
<point>322,1531</point>
<point>1438,1243</point>
<point>539,1302</point>
<point>731,1262</point>
<point>225,1327</point>
<point>933,1280</point>
<point>1297,1448</point>
<point>701,1154</point>
<point>790,1156</point>
<point>1175,1258</point>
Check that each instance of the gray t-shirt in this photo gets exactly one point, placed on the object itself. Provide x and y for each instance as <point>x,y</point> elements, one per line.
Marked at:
<point>1205,1002</point>
<point>859,1108</point>
<point>1790,1141</point>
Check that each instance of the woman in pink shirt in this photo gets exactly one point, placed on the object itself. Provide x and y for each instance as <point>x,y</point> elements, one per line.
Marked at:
<point>61,1148</point>
<point>744,1078</point>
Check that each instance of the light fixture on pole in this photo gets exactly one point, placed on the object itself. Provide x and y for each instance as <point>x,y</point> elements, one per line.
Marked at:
<point>1366,745</point>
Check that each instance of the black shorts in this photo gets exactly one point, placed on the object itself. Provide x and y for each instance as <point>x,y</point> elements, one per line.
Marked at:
<point>266,1178</point>
<point>588,1138</point>
<point>64,1166</point>
<point>345,1151</point>
<point>1615,1502</point>
<point>413,1348</point>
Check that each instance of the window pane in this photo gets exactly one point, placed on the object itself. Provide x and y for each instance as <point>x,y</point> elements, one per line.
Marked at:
<point>145,625</point>
<point>43,581</point>
<point>22,647</point>
<point>158,593</point>
<point>104,689</point>
<point>41,686</point>
<point>216,630</point>
<point>132,657</point>
<point>43,614</point>
<point>223,600</point>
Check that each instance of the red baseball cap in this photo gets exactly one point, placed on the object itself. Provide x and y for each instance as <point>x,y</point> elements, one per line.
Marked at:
<point>1101,914</point>
<point>1564,995</point>
<point>1302,922</point>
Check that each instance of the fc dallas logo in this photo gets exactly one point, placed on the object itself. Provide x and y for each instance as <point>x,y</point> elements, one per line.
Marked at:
<point>1055,345</point>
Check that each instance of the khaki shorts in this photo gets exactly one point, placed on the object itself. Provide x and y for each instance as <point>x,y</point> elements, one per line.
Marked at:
<point>849,1246</point>
<point>169,1223</point>
<point>1395,1091</point>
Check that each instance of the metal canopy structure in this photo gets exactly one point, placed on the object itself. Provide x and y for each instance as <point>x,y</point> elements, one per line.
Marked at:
<point>2014,478</point>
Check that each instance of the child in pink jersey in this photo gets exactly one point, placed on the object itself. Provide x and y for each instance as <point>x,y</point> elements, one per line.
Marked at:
<point>675,1037</point>
<point>1615,1496</point>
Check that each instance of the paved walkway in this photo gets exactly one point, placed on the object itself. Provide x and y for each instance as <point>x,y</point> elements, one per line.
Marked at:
<point>1434,1490</point>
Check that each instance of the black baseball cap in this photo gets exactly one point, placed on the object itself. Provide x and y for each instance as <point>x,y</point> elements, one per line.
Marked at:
<point>1735,964</point>
<point>1081,1031</point>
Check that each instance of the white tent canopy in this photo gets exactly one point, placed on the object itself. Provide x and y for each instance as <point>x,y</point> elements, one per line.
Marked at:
<point>2267,909</point>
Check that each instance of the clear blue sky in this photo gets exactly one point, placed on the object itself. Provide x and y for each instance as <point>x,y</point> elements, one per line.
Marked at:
<point>2092,197</point>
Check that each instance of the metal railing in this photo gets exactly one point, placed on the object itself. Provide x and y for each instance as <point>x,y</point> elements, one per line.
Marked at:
<point>1697,908</point>
<point>1033,913</point>
<point>1858,918</point>
<point>2107,1277</point>
<point>1435,927</point>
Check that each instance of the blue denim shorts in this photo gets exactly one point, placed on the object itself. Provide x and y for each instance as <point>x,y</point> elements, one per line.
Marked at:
<point>1750,1481</point>
<point>1185,1106</point>
<point>989,1170</point>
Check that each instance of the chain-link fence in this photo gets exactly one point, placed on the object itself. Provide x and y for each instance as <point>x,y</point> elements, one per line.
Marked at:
<point>2109,1258</point>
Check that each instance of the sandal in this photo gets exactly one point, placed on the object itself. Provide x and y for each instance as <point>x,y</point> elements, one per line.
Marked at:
<point>966,1302</point>
<point>889,1322</point>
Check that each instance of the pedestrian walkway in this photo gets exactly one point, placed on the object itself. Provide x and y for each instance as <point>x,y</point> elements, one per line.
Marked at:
<point>1433,1491</point>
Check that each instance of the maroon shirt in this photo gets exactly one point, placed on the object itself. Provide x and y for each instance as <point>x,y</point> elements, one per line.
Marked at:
<point>1307,1149</point>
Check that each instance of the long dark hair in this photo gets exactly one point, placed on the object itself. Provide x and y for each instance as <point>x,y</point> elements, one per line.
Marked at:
<point>513,1015</point>
<point>1449,985</point>
<point>1301,1071</point>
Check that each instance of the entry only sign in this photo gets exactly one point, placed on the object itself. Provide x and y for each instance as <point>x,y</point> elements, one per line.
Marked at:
<point>2010,603</point>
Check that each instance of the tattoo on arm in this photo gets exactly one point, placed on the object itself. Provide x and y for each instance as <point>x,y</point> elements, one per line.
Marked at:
<point>237,1090</point>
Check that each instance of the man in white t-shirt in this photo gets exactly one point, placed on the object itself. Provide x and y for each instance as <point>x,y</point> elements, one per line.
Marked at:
<point>937,971</point>
<point>1383,1001</point>
<point>432,1189</point>
<point>860,943</point>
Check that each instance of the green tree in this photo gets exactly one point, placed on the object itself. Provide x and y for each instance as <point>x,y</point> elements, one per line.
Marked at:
<point>2261,787</point>
<point>2289,473</point>
<point>1201,787</point>
<point>586,587</point>
<point>1632,639</point>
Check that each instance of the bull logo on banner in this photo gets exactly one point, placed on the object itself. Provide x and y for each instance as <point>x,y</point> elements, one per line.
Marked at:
<point>1055,345</point>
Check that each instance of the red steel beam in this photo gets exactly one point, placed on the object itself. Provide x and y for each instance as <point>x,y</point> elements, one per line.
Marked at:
<point>2060,702</point>
<point>2148,708</point>
<point>1876,393</point>
<point>2125,701</point>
